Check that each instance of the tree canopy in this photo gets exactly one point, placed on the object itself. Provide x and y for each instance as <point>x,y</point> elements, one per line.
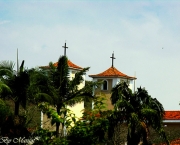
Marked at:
<point>139,111</point>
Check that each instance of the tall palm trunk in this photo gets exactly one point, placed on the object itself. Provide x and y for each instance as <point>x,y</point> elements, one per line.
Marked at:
<point>57,123</point>
<point>57,129</point>
<point>63,81</point>
<point>133,138</point>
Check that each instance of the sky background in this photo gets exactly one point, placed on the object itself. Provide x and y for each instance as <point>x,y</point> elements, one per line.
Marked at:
<point>144,35</point>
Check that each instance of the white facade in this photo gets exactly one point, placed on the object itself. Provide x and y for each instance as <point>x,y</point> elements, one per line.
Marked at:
<point>111,77</point>
<point>78,108</point>
<point>115,81</point>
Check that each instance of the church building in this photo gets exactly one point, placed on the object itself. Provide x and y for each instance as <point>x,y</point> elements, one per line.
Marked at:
<point>110,78</point>
<point>76,109</point>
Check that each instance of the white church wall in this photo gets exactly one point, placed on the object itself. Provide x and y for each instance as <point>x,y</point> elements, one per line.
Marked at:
<point>77,109</point>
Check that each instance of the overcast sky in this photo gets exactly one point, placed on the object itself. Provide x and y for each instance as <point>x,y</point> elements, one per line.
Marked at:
<point>144,35</point>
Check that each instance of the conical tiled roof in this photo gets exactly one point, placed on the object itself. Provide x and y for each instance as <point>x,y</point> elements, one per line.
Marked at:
<point>70,64</point>
<point>112,72</point>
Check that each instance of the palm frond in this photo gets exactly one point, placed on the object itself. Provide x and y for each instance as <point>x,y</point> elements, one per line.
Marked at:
<point>6,69</point>
<point>62,75</point>
<point>43,97</point>
<point>7,64</point>
<point>139,110</point>
<point>124,105</point>
<point>148,112</point>
<point>156,105</point>
<point>78,78</point>
<point>4,90</point>
<point>120,91</point>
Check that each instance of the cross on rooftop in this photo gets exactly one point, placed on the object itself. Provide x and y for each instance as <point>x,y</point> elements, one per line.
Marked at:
<point>112,59</point>
<point>64,49</point>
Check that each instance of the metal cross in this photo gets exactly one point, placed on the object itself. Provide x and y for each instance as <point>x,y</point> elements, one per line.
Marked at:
<point>64,49</point>
<point>112,59</point>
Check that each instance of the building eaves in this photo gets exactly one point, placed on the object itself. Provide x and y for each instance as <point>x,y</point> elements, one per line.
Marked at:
<point>70,65</point>
<point>112,72</point>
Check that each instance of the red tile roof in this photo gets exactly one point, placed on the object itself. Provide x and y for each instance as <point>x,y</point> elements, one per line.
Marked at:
<point>112,72</point>
<point>173,142</point>
<point>70,64</point>
<point>172,115</point>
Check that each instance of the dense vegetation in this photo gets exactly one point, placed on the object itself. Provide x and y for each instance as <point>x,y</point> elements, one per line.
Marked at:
<point>135,115</point>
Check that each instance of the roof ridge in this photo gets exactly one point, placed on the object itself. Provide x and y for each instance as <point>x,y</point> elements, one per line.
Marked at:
<point>70,64</point>
<point>112,72</point>
<point>172,110</point>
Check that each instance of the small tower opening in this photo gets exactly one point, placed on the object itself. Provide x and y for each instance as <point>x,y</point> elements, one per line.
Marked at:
<point>105,85</point>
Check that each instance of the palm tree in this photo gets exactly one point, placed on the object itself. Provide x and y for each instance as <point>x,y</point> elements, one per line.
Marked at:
<point>4,89</point>
<point>54,86</point>
<point>15,82</point>
<point>139,111</point>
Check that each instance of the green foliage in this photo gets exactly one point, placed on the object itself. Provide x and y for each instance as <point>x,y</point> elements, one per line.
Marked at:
<point>4,90</point>
<point>6,68</point>
<point>4,112</point>
<point>139,111</point>
<point>54,91</point>
<point>17,83</point>
<point>89,88</point>
<point>92,128</point>
<point>65,116</point>
<point>53,85</point>
<point>47,137</point>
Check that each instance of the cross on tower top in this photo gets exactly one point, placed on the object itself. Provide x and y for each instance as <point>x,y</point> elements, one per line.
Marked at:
<point>64,49</point>
<point>112,59</point>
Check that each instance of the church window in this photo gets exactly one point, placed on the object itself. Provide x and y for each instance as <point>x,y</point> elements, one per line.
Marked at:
<point>105,85</point>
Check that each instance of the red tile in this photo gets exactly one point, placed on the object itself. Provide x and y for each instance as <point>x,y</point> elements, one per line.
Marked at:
<point>70,64</point>
<point>172,115</point>
<point>112,72</point>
